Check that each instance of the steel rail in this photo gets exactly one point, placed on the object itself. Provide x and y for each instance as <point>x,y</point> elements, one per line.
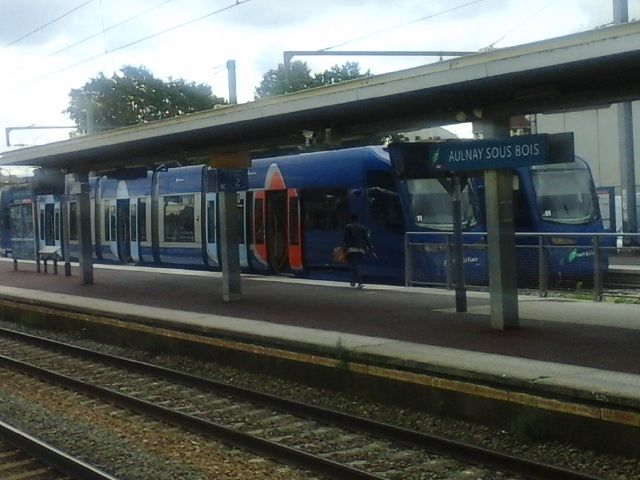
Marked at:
<point>50,455</point>
<point>291,456</point>
<point>432,443</point>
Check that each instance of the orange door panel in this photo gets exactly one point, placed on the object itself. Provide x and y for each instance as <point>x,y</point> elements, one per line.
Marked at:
<point>294,230</point>
<point>259,230</point>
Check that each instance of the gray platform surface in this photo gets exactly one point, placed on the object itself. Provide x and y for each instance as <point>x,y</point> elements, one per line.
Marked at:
<point>563,345</point>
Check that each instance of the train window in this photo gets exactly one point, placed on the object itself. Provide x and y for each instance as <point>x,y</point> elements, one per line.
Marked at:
<point>294,221</point>
<point>259,225</point>
<point>431,205</point>
<point>142,219</point>
<point>325,209</point>
<point>179,218</point>
<point>56,222</point>
<point>16,222</point>
<point>212,180</point>
<point>211,221</point>
<point>565,193</point>
<point>49,227</point>
<point>114,235</point>
<point>107,228</point>
<point>134,223</point>
<point>73,221</point>
<point>521,215</point>
<point>21,221</point>
<point>41,224</point>
<point>384,201</point>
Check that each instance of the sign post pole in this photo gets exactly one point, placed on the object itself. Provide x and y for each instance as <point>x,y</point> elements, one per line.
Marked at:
<point>229,234</point>
<point>461,291</point>
<point>86,258</point>
<point>454,187</point>
<point>501,244</point>
<point>502,249</point>
<point>231,177</point>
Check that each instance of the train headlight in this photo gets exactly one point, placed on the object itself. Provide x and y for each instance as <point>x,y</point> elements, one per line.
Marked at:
<point>563,241</point>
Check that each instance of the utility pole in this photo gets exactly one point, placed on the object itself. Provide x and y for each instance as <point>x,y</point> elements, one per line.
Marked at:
<point>625,141</point>
<point>231,72</point>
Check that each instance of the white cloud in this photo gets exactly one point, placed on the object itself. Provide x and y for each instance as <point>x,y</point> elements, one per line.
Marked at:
<point>254,34</point>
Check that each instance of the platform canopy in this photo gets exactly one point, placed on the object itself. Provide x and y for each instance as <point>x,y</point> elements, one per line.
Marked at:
<point>566,73</point>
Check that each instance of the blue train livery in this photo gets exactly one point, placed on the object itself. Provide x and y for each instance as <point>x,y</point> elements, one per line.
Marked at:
<point>294,213</point>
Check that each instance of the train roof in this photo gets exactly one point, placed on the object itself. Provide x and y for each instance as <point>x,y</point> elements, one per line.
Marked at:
<point>334,168</point>
<point>364,153</point>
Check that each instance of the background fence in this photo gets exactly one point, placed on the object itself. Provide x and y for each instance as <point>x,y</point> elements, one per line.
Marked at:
<point>586,265</point>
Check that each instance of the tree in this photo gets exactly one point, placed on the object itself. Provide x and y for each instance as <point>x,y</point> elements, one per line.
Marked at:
<point>278,82</point>
<point>135,97</point>
<point>342,73</point>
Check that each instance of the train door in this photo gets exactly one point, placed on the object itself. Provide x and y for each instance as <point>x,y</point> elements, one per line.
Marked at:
<point>74,236</point>
<point>123,237</point>
<point>49,222</point>
<point>212,228</point>
<point>276,229</point>
<point>294,230</point>
<point>259,230</point>
<point>134,250</point>
<point>143,230</point>
<point>123,223</point>
<point>21,231</point>
<point>213,219</point>
<point>244,231</point>
<point>110,247</point>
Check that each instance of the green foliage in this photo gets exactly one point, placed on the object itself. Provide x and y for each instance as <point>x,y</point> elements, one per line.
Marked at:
<point>136,96</point>
<point>342,73</point>
<point>278,82</point>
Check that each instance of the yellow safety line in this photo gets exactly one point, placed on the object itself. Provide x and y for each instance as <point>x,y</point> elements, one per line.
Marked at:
<point>613,415</point>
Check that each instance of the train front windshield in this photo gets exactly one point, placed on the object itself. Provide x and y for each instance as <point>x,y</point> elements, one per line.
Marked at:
<point>565,193</point>
<point>431,205</point>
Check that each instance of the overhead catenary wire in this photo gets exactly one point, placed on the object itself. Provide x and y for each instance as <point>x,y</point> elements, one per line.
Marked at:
<point>109,28</point>
<point>42,27</point>
<point>527,20</point>
<point>135,42</point>
<point>386,30</point>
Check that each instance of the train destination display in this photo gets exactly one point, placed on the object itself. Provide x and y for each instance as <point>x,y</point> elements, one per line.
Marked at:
<point>424,160</point>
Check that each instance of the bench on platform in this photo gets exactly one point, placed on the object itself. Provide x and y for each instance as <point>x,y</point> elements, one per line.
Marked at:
<point>49,253</point>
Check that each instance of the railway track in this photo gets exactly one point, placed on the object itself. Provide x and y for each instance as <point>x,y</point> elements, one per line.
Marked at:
<point>327,442</point>
<point>622,279</point>
<point>24,457</point>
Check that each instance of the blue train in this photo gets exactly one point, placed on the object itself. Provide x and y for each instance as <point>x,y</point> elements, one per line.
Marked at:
<point>294,213</point>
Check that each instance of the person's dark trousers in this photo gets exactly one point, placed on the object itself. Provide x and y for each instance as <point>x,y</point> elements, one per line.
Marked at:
<point>355,259</point>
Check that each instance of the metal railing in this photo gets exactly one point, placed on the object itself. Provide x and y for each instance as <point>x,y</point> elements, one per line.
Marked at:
<point>588,265</point>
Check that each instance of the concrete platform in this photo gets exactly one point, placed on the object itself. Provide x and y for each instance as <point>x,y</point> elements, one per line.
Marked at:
<point>576,350</point>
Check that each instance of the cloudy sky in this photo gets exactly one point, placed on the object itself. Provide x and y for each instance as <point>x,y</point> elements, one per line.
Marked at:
<point>49,47</point>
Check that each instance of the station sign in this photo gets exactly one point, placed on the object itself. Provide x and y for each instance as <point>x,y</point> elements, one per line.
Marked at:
<point>426,160</point>
<point>232,180</point>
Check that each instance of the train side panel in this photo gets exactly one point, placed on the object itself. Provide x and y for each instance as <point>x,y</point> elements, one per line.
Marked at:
<point>180,217</point>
